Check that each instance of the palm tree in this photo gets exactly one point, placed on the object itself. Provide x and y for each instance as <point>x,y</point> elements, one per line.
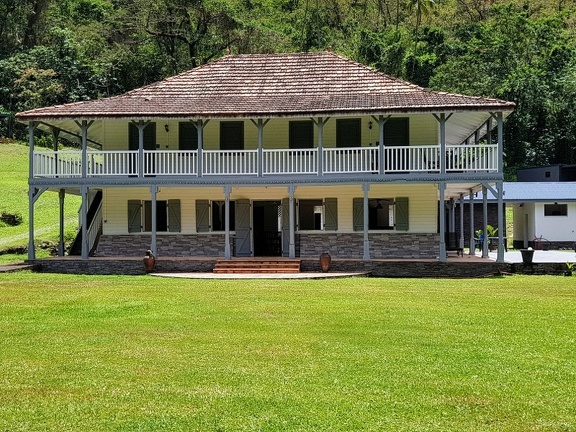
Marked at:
<point>422,7</point>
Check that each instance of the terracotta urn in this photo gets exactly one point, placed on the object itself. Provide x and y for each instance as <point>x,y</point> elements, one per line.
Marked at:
<point>325,260</point>
<point>149,261</point>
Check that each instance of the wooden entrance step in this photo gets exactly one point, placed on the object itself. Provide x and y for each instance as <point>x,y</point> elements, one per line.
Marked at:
<point>258,265</point>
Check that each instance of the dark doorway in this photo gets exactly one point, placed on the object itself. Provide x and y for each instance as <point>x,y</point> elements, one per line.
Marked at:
<point>267,237</point>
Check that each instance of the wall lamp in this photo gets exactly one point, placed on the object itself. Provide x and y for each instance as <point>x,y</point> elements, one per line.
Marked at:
<point>166,128</point>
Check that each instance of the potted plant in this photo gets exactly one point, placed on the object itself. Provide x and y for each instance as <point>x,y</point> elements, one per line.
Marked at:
<point>570,267</point>
<point>492,232</point>
<point>149,261</point>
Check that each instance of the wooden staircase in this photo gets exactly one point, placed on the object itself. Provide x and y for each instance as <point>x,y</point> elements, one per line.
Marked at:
<point>258,265</point>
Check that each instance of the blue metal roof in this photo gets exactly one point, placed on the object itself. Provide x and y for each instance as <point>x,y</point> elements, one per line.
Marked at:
<point>535,192</point>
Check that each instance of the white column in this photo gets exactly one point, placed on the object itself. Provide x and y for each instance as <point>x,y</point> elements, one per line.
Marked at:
<point>141,125</point>
<point>153,240</point>
<point>366,254</point>
<point>462,222</point>
<point>61,196</point>
<point>260,125</point>
<point>200,129</point>
<point>31,191</point>
<point>84,221</point>
<point>320,126</point>
<point>227,251</point>
<point>292,218</point>
<point>485,221</point>
<point>472,233</point>
<point>442,220</point>
<point>501,227</point>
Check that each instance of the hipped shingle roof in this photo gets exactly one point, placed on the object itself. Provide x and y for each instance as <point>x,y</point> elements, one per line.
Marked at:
<point>271,85</point>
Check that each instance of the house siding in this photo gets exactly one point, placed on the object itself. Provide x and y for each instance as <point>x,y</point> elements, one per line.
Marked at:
<point>423,130</point>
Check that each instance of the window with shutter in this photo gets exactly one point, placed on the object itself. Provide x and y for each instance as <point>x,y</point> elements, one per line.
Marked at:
<point>348,133</point>
<point>301,134</point>
<point>331,214</point>
<point>202,216</point>
<point>232,135</point>
<point>134,216</point>
<point>187,136</point>
<point>397,132</point>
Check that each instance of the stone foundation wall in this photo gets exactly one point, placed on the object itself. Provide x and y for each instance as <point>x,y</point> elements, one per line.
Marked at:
<point>375,268</point>
<point>168,245</point>
<point>382,245</point>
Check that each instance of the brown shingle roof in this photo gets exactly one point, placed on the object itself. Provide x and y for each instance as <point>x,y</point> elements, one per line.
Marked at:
<point>271,85</point>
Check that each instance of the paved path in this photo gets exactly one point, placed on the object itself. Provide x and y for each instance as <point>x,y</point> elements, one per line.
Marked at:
<point>259,275</point>
<point>540,256</point>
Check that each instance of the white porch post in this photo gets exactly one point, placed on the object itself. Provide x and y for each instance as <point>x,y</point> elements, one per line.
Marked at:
<point>55,135</point>
<point>485,221</point>
<point>462,222</point>
<point>442,119</point>
<point>84,125</point>
<point>381,144</point>
<point>31,191</point>
<point>153,240</point>
<point>141,125</point>
<point>501,227</point>
<point>260,125</point>
<point>499,119</point>
<point>84,221</point>
<point>442,220</point>
<point>472,233</point>
<point>227,252</point>
<point>292,218</point>
<point>61,196</point>
<point>200,130</point>
<point>320,122</point>
<point>366,254</point>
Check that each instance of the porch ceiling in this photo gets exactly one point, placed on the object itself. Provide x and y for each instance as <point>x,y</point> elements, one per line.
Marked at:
<point>459,127</point>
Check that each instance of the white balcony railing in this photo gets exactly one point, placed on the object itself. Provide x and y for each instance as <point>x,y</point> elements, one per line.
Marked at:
<point>395,159</point>
<point>297,161</point>
<point>351,160</point>
<point>230,162</point>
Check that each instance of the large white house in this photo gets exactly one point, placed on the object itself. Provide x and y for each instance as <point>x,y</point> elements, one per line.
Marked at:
<point>271,155</point>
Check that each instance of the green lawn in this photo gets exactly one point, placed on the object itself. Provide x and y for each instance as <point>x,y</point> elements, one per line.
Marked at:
<point>14,200</point>
<point>112,353</point>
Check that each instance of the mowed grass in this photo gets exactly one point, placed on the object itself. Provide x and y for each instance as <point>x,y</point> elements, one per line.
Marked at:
<point>141,353</point>
<point>14,200</point>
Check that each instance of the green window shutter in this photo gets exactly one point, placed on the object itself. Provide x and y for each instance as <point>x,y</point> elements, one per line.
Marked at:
<point>397,132</point>
<point>331,214</point>
<point>202,216</point>
<point>134,216</point>
<point>174,216</point>
<point>187,136</point>
<point>348,133</point>
<point>301,134</point>
<point>402,214</point>
<point>358,214</point>
<point>149,136</point>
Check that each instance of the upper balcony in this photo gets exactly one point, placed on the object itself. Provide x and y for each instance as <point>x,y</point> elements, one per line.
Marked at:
<point>327,162</point>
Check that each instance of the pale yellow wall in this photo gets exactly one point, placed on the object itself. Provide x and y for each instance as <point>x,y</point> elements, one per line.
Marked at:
<point>423,130</point>
<point>422,201</point>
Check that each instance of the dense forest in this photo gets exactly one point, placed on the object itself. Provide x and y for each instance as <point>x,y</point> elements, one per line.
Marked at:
<point>55,51</point>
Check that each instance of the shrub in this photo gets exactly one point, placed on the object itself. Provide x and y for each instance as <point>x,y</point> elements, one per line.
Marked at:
<point>12,219</point>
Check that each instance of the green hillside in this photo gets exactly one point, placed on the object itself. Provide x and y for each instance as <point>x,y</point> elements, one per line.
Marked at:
<point>14,200</point>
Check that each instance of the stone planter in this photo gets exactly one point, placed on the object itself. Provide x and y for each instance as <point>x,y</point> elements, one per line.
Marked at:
<point>527,255</point>
<point>149,261</point>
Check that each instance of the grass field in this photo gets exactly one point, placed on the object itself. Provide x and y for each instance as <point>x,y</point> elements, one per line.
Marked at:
<point>14,200</point>
<point>146,354</point>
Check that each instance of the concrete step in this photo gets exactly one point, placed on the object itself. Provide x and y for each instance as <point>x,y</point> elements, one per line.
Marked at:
<point>256,265</point>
